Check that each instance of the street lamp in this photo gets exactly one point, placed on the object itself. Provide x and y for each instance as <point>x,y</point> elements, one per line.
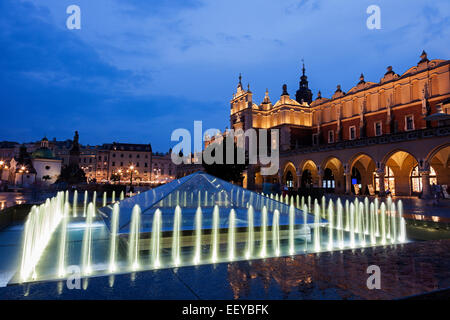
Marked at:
<point>2,164</point>
<point>119,173</point>
<point>131,170</point>
<point>22,171</point>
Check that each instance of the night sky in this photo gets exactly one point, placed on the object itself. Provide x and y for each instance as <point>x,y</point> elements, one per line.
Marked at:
<point>139,69</point>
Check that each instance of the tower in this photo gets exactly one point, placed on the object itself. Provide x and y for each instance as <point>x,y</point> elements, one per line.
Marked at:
<point>74,154</point>
<point>241,108</point>
<point>303,94</point>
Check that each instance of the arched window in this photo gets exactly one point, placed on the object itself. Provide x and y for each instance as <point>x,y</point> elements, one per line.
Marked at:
<point>306,178</point>
<point>416,179</point>
<point>389,180</point>
<point>328,179</point>
<point>356,180</point>
<point>289,180</point>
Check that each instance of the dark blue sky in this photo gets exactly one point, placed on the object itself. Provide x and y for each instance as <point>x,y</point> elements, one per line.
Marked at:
<point>139,69</point>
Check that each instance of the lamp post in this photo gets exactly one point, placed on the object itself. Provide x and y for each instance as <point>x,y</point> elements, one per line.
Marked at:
<point>131,170</point>
<point>22,171</point>
<point>119,172</point>
<point>2,164</point>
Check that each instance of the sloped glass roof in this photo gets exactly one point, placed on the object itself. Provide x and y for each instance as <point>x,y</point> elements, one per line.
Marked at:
<point>200,190</point>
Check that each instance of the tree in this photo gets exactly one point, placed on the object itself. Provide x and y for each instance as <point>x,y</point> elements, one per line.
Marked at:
<point>72,174</point>
<point>115,177</point>
<point>228,172</point>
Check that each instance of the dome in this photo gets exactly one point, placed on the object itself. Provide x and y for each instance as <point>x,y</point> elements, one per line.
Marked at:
<point>42,153</point>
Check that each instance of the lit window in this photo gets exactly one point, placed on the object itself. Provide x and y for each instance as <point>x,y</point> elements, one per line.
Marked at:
<point>352,133</point>
<point>378,128</point>
<point>331,136</point>
<point>416,179</point>
<point>409,123</point>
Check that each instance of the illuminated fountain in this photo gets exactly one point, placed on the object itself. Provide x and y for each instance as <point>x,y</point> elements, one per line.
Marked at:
<point>197,220</point>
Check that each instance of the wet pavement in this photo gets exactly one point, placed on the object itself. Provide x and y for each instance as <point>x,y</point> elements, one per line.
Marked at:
<point>406,270</point>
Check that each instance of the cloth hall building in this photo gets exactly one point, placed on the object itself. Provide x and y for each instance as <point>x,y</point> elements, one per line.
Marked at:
<point>393,134</point>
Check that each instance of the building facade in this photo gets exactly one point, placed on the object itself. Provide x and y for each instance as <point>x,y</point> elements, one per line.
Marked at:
<point>392,134</point>
<point>108,163</point>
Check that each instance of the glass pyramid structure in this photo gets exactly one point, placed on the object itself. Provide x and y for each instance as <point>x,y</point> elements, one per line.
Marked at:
<point>205,191</point>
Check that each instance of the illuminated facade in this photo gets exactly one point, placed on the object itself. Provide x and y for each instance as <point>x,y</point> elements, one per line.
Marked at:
<point>107,163</point>
<point>392,133</point>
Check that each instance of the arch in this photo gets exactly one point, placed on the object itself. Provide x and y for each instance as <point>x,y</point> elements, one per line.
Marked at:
<point>388,155</point>
<point>435,151</point>
<point>357,157</point>
<point>309,173</point>
<point>289,177</point>
<point>333,181</point>
<point>439,159</point>
<point>335,160</point>
<point>401,162</point>
<point>305,163</point>
<point>365,165</point>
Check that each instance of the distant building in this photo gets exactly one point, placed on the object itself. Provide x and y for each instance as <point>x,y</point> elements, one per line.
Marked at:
<point>46,165</point>
<point>26,169</point>
<point>103,163</point>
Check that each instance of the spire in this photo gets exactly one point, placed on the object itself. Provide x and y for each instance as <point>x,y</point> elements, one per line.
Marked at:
<point>266,97</point>
<point>248,88</point>
<point>303,93</point>
<point>423,57</point>
<point>389,70</point>
<point>361,79</point>
<point>240,81</point>
<point>319,95</point>
<point>285,93</point>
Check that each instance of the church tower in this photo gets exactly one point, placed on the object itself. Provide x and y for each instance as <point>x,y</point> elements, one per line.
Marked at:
<point>74,153</point>
<point>241,108</point>
<point>303,94</point>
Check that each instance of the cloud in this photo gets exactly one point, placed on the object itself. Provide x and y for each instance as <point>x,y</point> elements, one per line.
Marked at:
<point>157,7</point>
<point>136,69</point>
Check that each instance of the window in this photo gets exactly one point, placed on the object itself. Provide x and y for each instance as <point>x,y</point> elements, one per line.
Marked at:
<point>137,164</point>
<point>121,164</point>
<point>409,123</point>
<point>378,128</point>
<point>146,164</point>
<point>352,133</point>
<point>416,179</point>
<point>121,155</point>
<point>47,167</point>
<point>138,156</point>
<point>331,136</point>
<point>315,139</point>
<point>130,156</point>
<point>113,163</point>
<point>389,180</point>
<point>114,155</point>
